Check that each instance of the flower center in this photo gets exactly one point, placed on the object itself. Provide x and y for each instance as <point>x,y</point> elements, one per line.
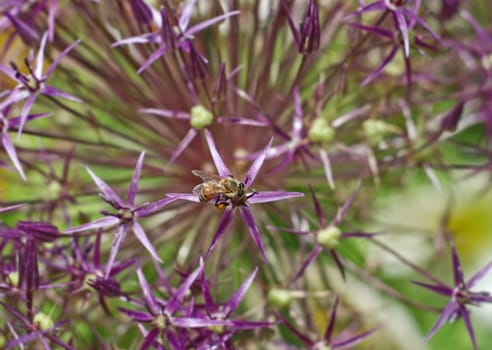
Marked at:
<point>200,117</point>
<point>329,237</point>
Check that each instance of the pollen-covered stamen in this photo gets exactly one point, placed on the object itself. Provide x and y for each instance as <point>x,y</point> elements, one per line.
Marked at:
<point>161,322</point>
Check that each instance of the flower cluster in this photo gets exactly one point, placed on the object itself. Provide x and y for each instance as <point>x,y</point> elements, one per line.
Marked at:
<point>155,153</point>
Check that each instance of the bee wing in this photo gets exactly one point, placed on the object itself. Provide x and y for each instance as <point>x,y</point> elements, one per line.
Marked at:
<point>206,176</point>
<point>197,189</point>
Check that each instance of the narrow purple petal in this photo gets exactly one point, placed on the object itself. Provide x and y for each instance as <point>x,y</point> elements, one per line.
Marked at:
<point>292,25</point>
<point>51,19</point>
<point>479,275</point>
<point>57,61</point>
<point>155,55</point>
<point>253,230</point>
<point>140,39</point>
<point>182,146</point>
<point>9,148</point>
<point>120,235</point>
<point>11,207</point>
<point>185,17</point>
<point>250,176</point>
<point>317,207</point>
<point>151,208</point>
<point>314,254</point>
<point>331,324</point>
<point>198,27</point>
<point>375,6</point>
<point>190,322</point>
<point>443,290</point>
<point>238,296</point>
<point>457,270</point>
<point>138,316</point>
<point>177,298</point>
<point>466,317</point>
<point>107,192</point>
<point>225,220</point>
<point>184,196</point>
<point>308,342</point>
<point>241,121</point>
<point>104,222</point>
<point>447,312</point>
<point>419,20</point>
<point>54,92</point>
<point>346,206</point>
<point>132,191</point>
<point>26,108</point>
<point>297,118</point>
<point>272,196</point>
<point>402,26</point>
<point>142,237</point>
<point>150,299</point>
<point>150,339</point>
<point>327,166</point>
<point>222,169</point>
<point>339,263</point>
<point>350,343</point>
<point>372,29</point>
<point>14,122</point>
<point>379,69</point>
<point>38,70</point>
<point>166,113</point>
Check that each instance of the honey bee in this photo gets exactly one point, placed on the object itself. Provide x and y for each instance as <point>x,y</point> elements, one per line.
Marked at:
<point>223,188</point>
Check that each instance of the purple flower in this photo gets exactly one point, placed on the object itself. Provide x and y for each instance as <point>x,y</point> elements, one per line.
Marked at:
<point>404,19</point>
<point>172,316</point>
<point>243,202</point>
<point>328,341</point>
<point>221,336</point>
<point>126,214</point>
<point>168,38</point>
<point>328,235</point>
<point>30,86</point>
<point>307,38</point>
<point>7,124</point>
<point>460,294</point>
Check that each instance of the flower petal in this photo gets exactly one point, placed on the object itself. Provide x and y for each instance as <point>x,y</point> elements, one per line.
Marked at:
<point>222,169</point>
<point>272,196</point>
<point>142,237</point>
<point>253,230</point>
<point>255,167</point>
<point>107,192</point>
<point>132,191</point>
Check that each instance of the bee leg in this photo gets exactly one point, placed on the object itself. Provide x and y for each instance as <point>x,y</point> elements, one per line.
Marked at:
<point>254,193</point>
<point>219,203</point>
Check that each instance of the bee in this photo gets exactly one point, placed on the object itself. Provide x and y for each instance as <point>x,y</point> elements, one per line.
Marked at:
<point>223,188</point>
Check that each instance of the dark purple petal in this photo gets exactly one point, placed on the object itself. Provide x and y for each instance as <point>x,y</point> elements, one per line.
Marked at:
<point>118,238</point>
<point>132,191</point>
<point>26,108</point>
<point>11,207</point>
<point>314,254</point>
<point>457,270</point>
<point>107,192</point>
<point>331,324</point>
<point>150,300</point>
<point>238,296</point>
<point>350,343</point>
<point>43,231</point>
<point>346,206</point>
<point>142,237</point>
<point>222,169</point>
<point>308,342</point>
<point>250,176</point>
<point>272,196</point>
<point>379,69</point>
<point>338,262</point>
<point>177,298</point>
<point>155,55</point>
<point>190,135</point>
<point>375,6</point>
<point>450,121</point>
<point>419,20</point>
<point>151,208</point>
<point>372,29</point>
<point>447,312</point>
<point>225,220</point>
<point>443,290</point>
<point>190,322</point>
<point>141,11</point>
<point>104,222</point>
<point>138,316</point>
<point>317,207</point>
<point>26,32</point>
<point>150,339</point>
<point>28,267</point>
<point>466,317</point>
<point>253,230</point>
<point>166,113</point>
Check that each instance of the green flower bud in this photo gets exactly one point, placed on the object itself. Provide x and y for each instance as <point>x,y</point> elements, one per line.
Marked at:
<point>329,237</point>
<point>279,298</point>
<point>321,131</point>
<point>375,130</point>
<point>13,279</point>
<point>201,117</point>
<point>43,321</point>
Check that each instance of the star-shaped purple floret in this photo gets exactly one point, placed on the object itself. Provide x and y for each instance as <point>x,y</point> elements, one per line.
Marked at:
<point>251,198</point>
<point>461,296</point>
<point>126,214</point>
